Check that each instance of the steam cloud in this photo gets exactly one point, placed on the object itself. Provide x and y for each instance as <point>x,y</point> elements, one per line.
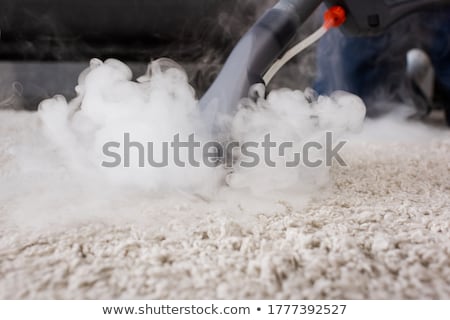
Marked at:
<point>50,162</point>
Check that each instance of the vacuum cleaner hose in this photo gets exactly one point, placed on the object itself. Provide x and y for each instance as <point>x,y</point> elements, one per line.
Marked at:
<point>252,57</point>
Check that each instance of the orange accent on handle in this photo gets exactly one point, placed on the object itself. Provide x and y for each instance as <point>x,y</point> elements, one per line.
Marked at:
<point>334,17</point>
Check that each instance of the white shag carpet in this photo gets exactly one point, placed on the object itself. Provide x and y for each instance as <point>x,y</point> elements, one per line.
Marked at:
<point>381,232</point>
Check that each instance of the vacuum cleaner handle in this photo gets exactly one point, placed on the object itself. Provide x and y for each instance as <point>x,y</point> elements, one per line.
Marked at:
<point>374,16</point>
<point>251,58</point>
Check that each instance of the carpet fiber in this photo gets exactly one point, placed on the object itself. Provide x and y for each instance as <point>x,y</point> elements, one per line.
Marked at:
<point>380,232</point>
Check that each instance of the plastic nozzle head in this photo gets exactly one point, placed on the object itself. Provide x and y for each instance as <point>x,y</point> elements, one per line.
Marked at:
<point>334,17</point>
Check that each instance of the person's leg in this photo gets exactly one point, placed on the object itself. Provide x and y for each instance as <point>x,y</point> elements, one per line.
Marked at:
<point>348,63</point>
<point>372,67</point>
<point>438,46</point>
<point>369,67</point>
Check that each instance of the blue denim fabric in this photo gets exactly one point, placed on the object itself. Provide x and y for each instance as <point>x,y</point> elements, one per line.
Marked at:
<point>365,65</point>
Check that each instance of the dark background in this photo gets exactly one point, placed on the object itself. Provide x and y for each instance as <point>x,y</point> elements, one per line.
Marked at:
<point>45,44</point>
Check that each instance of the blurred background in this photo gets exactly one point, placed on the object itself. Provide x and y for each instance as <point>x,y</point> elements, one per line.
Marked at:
<point>45,44</point>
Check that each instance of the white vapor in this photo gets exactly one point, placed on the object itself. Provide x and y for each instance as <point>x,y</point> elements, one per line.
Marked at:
<point>50,161</point>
